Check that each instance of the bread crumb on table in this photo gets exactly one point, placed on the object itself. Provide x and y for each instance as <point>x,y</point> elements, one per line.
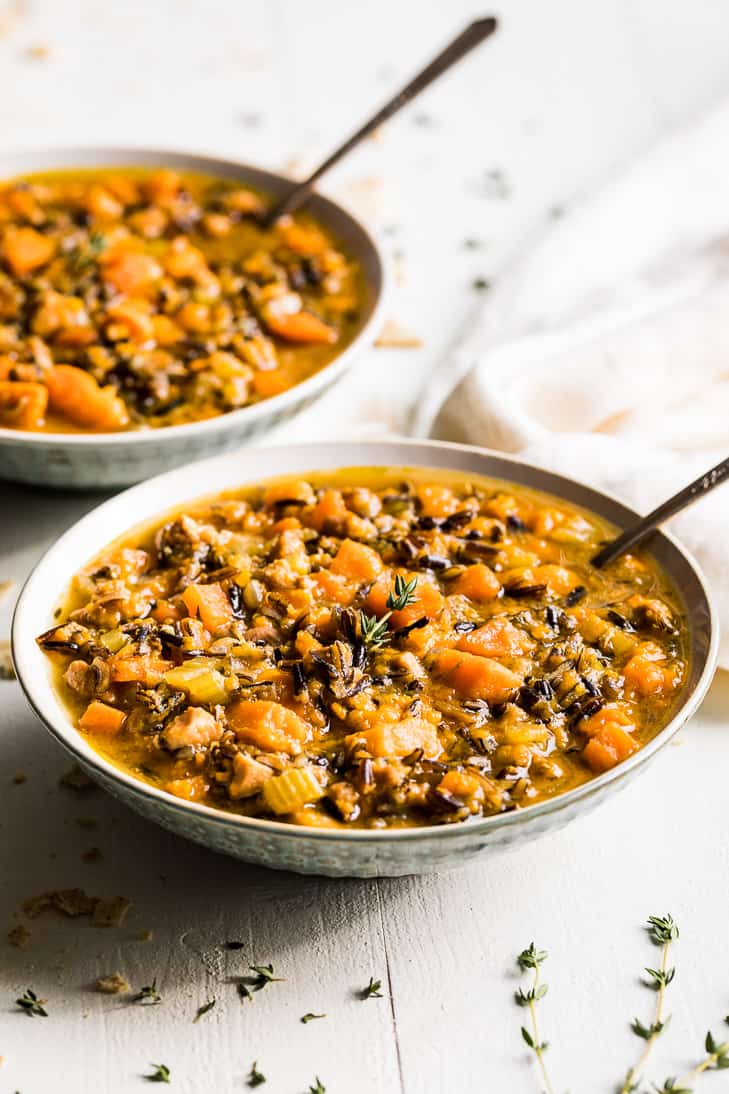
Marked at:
<point>75,902</point>
<point>114,984</point>
<point>19,936</point>
<point>76,779</point>
<point>7,672</point>
<point>92,855</point>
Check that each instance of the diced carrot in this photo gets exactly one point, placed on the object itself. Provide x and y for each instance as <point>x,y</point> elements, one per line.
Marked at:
<point>477,582</point>
<point>271,382</point>
<point>102,719</point>
<point>497,638</point>
<point>427,600</point>
<point>269,726</point>
<point>76,395</point>
<point>302,327</point>
<point>25,250</point>
<point>303,240</point>
<point>130,272</point>
<point>461,783</point>
<point>141,670</point>
<point>356,561</point>
<point>191,789</point>
<point>436,500</point>
<point>22,405</point>
<point>476,677</point>
<point>210,603</point>
<point>400,738</point>
<point>609,747</point>
<point>329,512</point>
<point>134,314</point>
<point>101,203</point>
<point>334,587</point>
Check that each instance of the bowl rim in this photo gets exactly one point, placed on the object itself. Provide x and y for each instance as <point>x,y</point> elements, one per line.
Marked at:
<point>276,404</point>
<point>36,691</point>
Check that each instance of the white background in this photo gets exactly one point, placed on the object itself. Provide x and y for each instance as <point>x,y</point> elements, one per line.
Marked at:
<point>570,91</point>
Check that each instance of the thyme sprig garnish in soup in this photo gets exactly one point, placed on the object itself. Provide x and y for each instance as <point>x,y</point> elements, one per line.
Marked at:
<point>132,299</point>
<point>369,647</point>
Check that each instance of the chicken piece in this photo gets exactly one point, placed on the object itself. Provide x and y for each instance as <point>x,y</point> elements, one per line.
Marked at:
<point>248,776</point>
<point>195,728</point>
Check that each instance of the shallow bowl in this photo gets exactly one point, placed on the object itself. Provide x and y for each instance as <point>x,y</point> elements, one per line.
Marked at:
<point>78,461</point>
<point>334,852</point>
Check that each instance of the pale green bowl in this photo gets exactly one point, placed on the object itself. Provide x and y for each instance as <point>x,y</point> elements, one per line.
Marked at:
<point>337,853</point>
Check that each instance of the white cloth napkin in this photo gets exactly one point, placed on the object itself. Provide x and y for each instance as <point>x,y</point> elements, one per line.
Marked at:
<point>604,353</point>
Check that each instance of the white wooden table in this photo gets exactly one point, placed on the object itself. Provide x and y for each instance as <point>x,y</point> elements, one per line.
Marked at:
<point>568,92</point>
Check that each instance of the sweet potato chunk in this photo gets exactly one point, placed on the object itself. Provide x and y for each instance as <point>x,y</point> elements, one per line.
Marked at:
<point>139,670</point>
<point>645,674</point>
<point>400,738</point>
<point>332,587</point>
<point>270,726</point>
<point>497,638</point>
<point>329,511</point>
<point>357,562</point>
<point>22,405</point>
<point>210,603</point>
<point>26,250</point>
<point>427,600</point>
<point>609,747</point>
<point>476,677</point>
<point>76,395</point>
<point>302,327</point>
<point>477,582</point>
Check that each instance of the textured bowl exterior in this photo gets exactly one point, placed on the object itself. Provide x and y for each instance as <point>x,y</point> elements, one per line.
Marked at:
<point>77,461</point>
<point>334,852</point>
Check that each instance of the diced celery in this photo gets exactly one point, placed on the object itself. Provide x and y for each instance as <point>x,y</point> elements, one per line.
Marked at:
<point>202,682</point>
<point>114,640</point>
<point>294,788</point>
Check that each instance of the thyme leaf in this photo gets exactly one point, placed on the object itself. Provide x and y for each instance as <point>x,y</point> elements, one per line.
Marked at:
<point>32,1005</point>
<point>148,995</point>
<point>264,976</point>
<point>373,630</point>
<point>372,991</point>
<point>204,1009</point>
<point>318,1087</point>
<point>310,1017</point>
<point>255,1077</point>
<point>161,1074</point>
<point>403,593</point>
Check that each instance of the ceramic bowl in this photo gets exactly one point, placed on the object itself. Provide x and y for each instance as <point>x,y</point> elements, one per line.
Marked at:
<point>78,461</point>
<point>360,853</point>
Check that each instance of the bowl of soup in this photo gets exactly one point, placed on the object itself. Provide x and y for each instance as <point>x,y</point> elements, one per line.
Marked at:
<point>148,317</point>
<point>379,658</point>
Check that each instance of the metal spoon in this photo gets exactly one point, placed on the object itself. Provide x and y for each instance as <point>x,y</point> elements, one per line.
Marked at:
<point>472,36</point>
<point>691,493</point>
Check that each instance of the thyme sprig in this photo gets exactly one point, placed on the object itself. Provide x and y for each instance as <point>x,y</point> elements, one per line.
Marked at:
<point>32,1005</point>
<point>372,991</point>
<point>663,932</point>
<point>716,1059</point>
<point>532,959</point>
<point>318,1087</point>
<point>161,1074</point>
<point>374,631</point>
<point>264,976</point>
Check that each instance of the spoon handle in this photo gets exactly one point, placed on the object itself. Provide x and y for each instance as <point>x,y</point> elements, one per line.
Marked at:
<point>472,36</point>
<point>691,493</point>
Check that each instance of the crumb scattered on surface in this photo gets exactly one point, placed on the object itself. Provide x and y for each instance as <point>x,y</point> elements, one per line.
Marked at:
<point>76,779</point>
<point>494,184</point>
<point>110,913</point>
<point>394,336</point>
<point>38,52</point>
<point>92,855</point>
<point>482,284</point>
<point>114,984</point>
<point>20,778</point>
<point>19,936</point>
<point>5,587</point>
<point>144,936</point>
<point>76,902</point>
<point>7,672</point>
